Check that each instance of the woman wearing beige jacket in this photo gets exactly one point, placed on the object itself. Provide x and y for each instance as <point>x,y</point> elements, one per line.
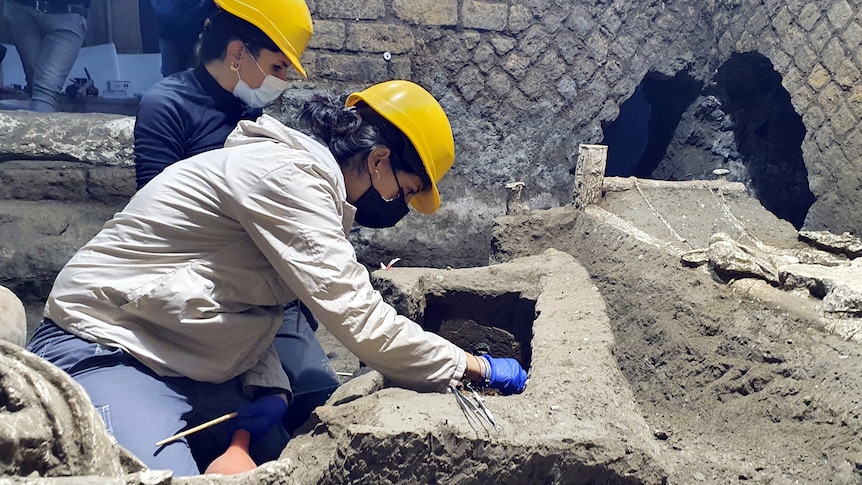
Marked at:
<point>167,316</point>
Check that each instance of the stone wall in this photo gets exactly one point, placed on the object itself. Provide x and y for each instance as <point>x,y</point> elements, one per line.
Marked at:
<point>815,48</point>
<point>524,82</point>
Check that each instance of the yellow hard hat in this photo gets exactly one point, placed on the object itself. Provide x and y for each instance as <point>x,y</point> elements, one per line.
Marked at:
<point>286,22</point>
<point>419,116</point>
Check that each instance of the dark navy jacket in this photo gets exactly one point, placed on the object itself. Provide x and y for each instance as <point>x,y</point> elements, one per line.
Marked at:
<point>183,115</point>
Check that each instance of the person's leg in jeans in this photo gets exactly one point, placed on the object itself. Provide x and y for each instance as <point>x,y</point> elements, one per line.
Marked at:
<point>25,36</point>
<point>307,366</point>
<point>63,36</point>
<point>140,408</point>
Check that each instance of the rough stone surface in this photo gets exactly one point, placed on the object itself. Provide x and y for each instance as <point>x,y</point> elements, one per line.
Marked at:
<point>95,139</point>
<point>13,319</point>
<point>48,427</point>
<point>716,367</point>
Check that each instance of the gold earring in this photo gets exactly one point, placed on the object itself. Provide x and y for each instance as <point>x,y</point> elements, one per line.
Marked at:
<point>378,176</point>
<point>234,66</point>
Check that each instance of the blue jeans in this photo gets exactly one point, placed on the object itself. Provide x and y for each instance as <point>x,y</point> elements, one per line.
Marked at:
<point>306,364</point>
<point>140,408</point>
<point>48,44</point>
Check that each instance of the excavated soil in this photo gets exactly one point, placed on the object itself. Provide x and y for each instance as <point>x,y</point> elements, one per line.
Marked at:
<point>734,389</point>
<point>738,389</point>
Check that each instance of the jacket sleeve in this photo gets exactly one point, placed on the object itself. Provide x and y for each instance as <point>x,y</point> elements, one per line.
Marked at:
<point>159,135</point>
<point>294,216</point>
<point>267,374</point>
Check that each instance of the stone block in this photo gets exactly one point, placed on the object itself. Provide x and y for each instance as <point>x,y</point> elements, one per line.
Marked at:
<point>780,59</point>
<point>376,37</point>
<point>830,96</point>
<point>624,47</point>
<point>757,23</point>
<point>362,68</point>
<point>516,64</point>
<point>610,22</point>
<point>567,88</point>
<point>725,44</point>
<point>813,118</point>
<point>499,81</point>
<point>843,120</point>
<point>534,41</point>
<point>570,48</point>
<point>502,44</point>
<point>824,136</point>
<point>13,320</point>
<point>832,55</point>
<point>847,75</point>
<point>469,82</point>
<point>401,67</point>
<point>484,57</point>
<point>520,17</point>
<point>854,101</point>
<point>808,16</point>
<point>852,36</point>
<point>328,34</point>
<point>821,34</point>
<point>819,77</point>
<point>597,47</point>
<point>350,9</point>
<point>840,13</point>
<point>612,71</point>
<point>552,19</point>
<point>580,21</point>
<point>427,12</point>
<point>804,58</point>
<point>782,21</point>
<point>484,15</point>
<point>38,180</point>
<point>111,185</point>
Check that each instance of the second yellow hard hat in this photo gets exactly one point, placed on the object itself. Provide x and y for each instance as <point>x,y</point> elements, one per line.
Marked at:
<point>286,22</point>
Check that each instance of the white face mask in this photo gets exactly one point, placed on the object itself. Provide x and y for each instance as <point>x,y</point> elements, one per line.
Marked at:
<point>269,90</point>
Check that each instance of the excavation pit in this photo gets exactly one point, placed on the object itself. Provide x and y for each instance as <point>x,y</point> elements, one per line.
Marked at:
<point>500,325</point>
<point>576,422</point>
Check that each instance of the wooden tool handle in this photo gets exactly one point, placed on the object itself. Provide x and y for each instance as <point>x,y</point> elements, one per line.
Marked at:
<point>206,425</point>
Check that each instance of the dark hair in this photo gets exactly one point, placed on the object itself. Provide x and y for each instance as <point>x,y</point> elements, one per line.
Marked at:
<point>223,28</point>
<point>356,131</point>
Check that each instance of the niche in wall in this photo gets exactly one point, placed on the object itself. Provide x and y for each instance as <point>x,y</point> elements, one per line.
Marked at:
<point>675,128</point>
<point>768,134</point>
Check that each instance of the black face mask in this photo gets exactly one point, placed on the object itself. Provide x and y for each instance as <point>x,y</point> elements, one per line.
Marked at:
<point>372,210</point>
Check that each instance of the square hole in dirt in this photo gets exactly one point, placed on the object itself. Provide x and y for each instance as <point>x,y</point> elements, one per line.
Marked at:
<point>501,325</point>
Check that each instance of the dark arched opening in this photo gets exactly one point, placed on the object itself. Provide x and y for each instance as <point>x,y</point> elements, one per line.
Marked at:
<point>638,139</point>
<point>768,134</point>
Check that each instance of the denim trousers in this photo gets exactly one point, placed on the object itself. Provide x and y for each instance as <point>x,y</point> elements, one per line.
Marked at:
<point>140,408</point>
<point>48,44</point>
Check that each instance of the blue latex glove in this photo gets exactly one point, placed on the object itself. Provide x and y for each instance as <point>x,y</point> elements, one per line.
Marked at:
<point>507,375</point>
<point>259,416</point>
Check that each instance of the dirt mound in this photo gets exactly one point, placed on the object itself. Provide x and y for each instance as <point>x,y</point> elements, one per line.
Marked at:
<point>736,387</point>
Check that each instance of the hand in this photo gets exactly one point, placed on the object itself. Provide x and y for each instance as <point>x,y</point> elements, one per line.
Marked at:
<point>259,416</point>
<point>506,375</point>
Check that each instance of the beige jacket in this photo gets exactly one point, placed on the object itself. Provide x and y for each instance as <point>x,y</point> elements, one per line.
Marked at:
<point>190,277</point>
